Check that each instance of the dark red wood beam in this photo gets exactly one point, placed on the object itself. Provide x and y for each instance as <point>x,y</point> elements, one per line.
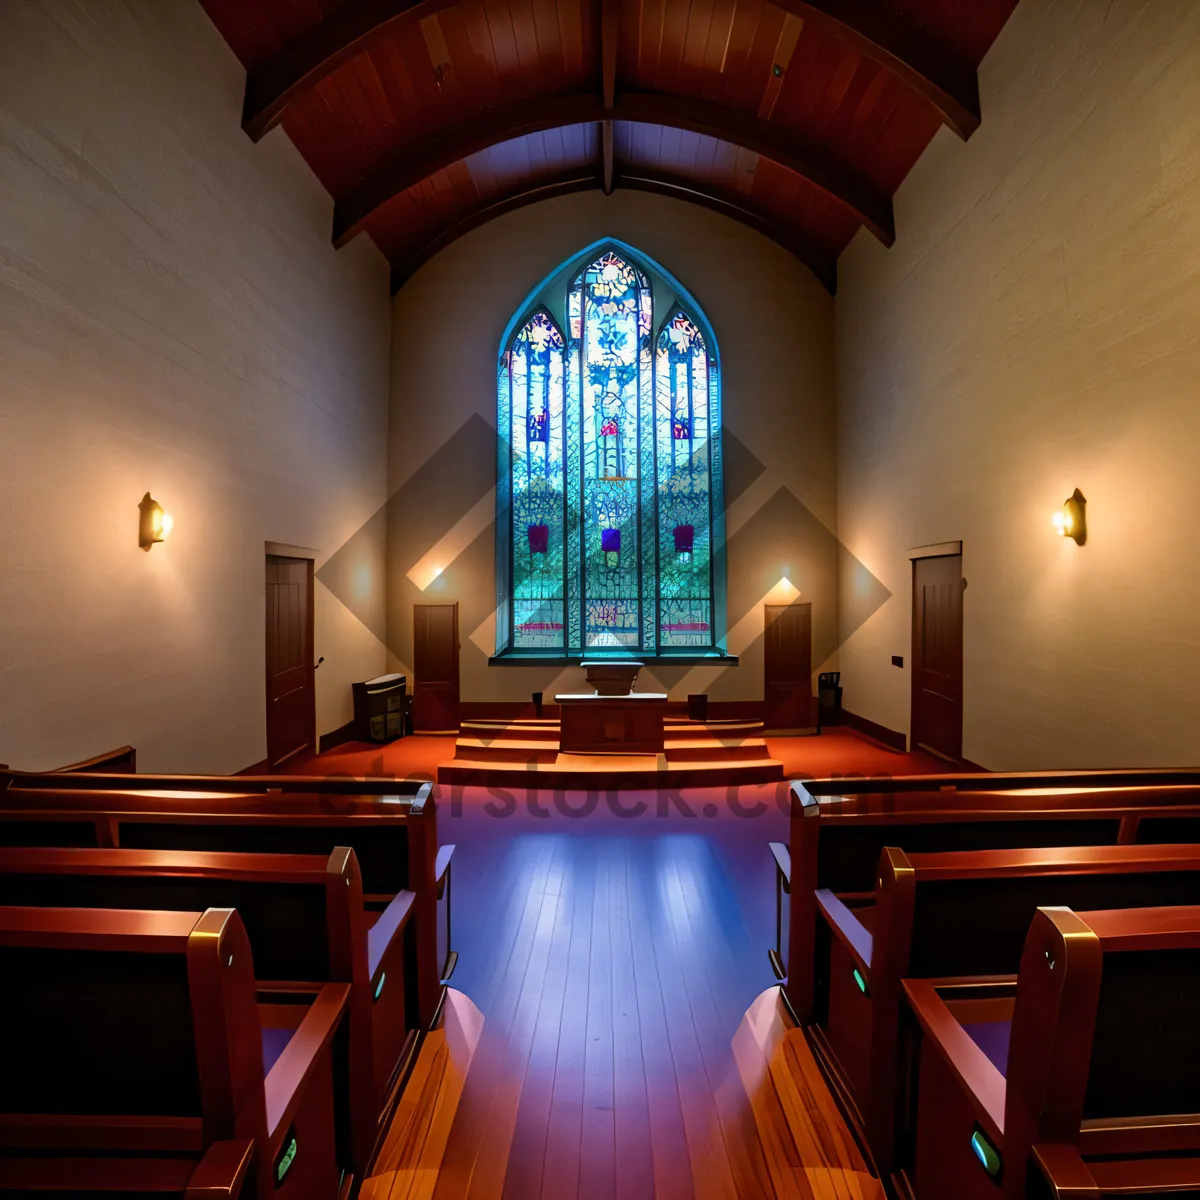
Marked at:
<point>271,87</point>
<point>610,17</point>
<point>414,162</point>
<point>610,29</point>
<point>819,260</point>
<point>895,43</point>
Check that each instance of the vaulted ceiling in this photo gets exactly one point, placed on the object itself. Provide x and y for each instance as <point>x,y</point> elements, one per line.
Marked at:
<point>426,118</point>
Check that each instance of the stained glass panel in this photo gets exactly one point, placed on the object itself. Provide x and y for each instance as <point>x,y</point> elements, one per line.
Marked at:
<point>535,383</point>
<point>683,424</point>
<point>610,305</point>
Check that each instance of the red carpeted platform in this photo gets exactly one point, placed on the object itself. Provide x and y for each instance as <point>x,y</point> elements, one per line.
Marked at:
<point>525,753</point>
<point>836,751</point>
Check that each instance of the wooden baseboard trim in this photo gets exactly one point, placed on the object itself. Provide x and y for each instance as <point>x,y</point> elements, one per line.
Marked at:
<point>336,737</point>
<point>262,767</point>
<point>881,733</point>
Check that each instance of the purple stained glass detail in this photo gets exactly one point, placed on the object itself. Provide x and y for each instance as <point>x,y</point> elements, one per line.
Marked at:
<point>684,537</point>
<point>539,538</point>
<point>682,429</point>
<point>539,427</point>
<point>610,541</point>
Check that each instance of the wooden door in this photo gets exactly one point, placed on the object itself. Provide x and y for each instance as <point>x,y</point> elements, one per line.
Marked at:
<point>435,665</point>
<point>787,667</point>
<point>291,691</point>
<point>937,657</point>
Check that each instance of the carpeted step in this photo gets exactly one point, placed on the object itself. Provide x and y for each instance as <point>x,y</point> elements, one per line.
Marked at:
<point>506,749</point>
<point>739,749</point>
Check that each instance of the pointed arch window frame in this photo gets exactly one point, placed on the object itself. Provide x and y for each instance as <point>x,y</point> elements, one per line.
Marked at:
<point>552,294</point>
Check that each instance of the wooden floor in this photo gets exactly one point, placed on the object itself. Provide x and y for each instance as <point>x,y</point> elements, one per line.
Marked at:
<point>631,1043</point>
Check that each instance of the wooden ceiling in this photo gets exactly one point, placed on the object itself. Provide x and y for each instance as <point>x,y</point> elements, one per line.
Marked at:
<point>426,118</point>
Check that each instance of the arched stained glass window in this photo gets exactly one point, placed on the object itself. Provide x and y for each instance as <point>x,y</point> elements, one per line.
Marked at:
<point>609,506</point>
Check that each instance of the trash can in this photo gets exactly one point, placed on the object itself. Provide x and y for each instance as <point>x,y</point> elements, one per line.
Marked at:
<point>537,704</point>
<point>829,699</point>
<point>697,707</point>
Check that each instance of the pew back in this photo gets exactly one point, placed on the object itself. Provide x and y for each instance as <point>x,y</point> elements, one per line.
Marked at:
<point>302,913</point>
<point>394,838</point>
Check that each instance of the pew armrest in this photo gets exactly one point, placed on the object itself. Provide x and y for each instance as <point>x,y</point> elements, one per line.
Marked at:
<point>847,928</point>
<point>287,1079</point>
<point>444,854</point>
<point>389,923</point>
<point>221,1172</point>
<point>783,863</point>
<point>981,1082</point>
<point>1065,1173</point>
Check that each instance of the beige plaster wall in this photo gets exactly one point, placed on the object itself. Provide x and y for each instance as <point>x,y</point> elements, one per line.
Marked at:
<point>1036,328</point>
<point>172,318</point>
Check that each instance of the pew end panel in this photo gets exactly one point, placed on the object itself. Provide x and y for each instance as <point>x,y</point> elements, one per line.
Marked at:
<point>953,1109</point>
<point>299,1094</point>
<point>781,856</point>
<point>447,956</point>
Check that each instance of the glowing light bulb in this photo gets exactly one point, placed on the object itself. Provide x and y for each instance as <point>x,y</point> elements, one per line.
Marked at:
<point>166,523</point>
<point>1059,521</point>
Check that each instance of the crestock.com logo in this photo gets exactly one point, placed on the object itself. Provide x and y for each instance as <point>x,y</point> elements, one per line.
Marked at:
<point>438,541</point>
<point>747,802</point>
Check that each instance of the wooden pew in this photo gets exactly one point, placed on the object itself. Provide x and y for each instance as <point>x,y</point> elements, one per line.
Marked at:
<point>305,918</point>
<point>308,785</point>
<point>122,760</point>
<point>133,1058</point>
<point>947,915</point>
<point>394,837</point>
<point>1099,1093</point>
<point>836,839</point>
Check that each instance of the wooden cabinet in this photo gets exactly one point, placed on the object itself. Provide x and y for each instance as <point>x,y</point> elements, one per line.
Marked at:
<point>380,708</point>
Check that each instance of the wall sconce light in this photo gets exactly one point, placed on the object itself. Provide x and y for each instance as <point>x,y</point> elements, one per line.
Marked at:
<point>154,525</point>
<point>1071,519</point>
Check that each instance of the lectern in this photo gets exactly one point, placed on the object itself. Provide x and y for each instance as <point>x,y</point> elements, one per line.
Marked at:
<point>613,719</point>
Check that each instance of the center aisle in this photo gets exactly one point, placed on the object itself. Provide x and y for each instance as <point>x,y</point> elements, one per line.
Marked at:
<point>631,1045</point>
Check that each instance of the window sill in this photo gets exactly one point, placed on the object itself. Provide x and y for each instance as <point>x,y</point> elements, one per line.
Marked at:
<point>536,658</point>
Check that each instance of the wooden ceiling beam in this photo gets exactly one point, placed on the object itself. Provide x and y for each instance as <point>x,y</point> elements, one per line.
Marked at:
<point>412,163</point>
<point>819,260</point>
<point>895,43</point>
<point>610,18</point>
<point>271,87</point>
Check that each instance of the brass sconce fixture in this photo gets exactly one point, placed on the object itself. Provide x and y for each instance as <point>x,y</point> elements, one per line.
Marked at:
<point>154,525</point>
<point>1071,519</point>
